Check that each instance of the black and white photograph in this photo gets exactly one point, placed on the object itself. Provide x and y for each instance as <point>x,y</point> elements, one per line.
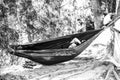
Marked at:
<point>59,39</point>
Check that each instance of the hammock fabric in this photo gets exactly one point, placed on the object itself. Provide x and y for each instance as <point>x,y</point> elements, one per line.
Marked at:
<point>56,43</point>
<point>55,50</point>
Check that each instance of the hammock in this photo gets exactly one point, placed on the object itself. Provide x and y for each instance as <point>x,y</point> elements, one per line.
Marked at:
<point>56,50</point>
<point>56,43</point>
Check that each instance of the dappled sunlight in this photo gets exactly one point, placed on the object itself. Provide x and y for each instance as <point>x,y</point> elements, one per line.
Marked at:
<point>29,21</point>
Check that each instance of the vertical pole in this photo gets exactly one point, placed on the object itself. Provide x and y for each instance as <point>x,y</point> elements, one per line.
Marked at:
<point>117,3</point>
<point>96,11</point>
<point>1,1</point>
<point>117,11</point>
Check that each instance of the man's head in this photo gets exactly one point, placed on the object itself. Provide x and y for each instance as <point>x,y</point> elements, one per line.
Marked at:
<point>108,18</point>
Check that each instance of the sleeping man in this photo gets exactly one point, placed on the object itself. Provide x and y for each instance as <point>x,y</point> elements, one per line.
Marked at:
<point>75,42</point>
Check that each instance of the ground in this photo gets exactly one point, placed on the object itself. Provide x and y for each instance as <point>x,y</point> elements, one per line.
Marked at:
<point>77,69</point>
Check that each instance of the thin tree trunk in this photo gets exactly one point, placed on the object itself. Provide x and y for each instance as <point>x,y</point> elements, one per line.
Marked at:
<point>118,7</point>
<point>1,1</point>
<point>97,15</point>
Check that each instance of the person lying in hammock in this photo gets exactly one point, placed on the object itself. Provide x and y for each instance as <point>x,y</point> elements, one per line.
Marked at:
<point>75,42</point>
<point>108,18</point>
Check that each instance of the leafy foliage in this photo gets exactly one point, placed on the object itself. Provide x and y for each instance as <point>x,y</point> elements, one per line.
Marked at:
<point>48,19</point>
<point>7,35</point>
<point>34,20</point>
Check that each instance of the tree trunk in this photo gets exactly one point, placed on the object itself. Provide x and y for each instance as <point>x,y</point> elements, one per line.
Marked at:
<point>118,7</point>
<point>97,13</point>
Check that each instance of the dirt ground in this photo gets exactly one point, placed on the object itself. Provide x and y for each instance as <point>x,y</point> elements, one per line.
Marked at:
<point>72,70</point>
